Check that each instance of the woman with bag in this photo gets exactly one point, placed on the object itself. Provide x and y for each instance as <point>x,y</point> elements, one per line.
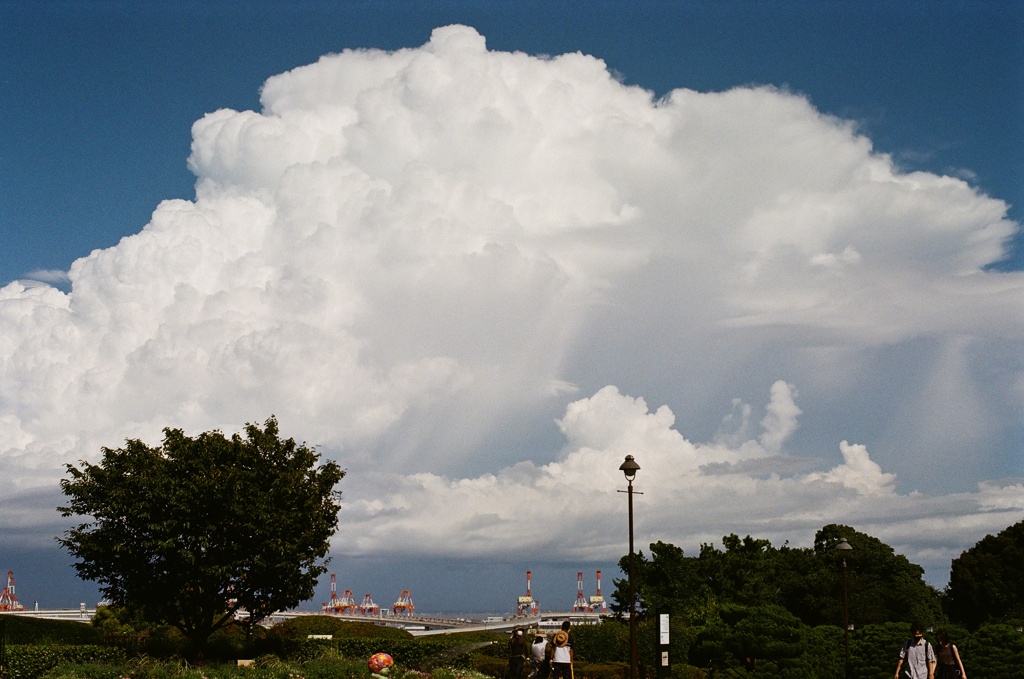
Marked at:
<point>949,664</point>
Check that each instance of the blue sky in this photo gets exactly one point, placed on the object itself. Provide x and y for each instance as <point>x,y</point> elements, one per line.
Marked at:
<point>779,287</point>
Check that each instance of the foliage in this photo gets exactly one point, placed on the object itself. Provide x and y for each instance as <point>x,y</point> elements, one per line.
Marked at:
<point>985,581</point>
<point>23,629</point>
<point>489,666</point>
<point>28,661</point>
<point>750,636</point>
<point>409,652</point>
<point>607,642</point>
<point>808,583</point>
<point>883,586</point>
<point>302,626</point>
<point>290,639</point>
<point>456,673</point>
<point>875,649</point>
<point>778,645</point>
<point>995,651</point>
<point>327,667</point>
<point>190,532</point>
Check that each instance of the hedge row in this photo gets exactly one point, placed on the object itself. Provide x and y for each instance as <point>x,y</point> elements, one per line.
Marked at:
<point>23,629</point>
<point>412,653</point>
<point>29,661</point>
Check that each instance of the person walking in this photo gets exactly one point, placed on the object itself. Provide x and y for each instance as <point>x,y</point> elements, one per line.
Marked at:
<point>562,654</point>
<point>949,665</point>
<point>918,656</point>
<point>540,656</point>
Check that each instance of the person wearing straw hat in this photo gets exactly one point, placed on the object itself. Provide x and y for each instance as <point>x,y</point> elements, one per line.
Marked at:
<point>562,653</point>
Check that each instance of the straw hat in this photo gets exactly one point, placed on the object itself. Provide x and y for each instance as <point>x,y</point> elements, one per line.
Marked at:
<point>561,637</point>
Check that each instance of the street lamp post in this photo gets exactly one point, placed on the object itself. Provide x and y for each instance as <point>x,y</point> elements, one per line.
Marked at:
<point>629,467</point>
<point>845,547</point>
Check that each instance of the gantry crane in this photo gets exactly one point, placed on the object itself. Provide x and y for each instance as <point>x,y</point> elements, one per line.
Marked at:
<point>345,605</point>
<point>526,604</point>
<point>368,607</point>
<point>404,605</point>
<point>580,605</point>
<point>8,599</point>
<point>597,601</point>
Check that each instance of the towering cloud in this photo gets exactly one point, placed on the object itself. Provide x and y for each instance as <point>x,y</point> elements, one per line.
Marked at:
<point>419,260</point>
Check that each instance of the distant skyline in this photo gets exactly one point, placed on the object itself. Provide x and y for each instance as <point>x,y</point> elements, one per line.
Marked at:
<point>479,251</point>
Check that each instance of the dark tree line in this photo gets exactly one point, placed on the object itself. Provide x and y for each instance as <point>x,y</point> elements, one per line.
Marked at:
<point>806,582</point>
<point>778,611</point>
<point>986,582</point>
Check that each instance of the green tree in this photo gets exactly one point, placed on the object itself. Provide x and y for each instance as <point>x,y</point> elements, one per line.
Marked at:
<point>985,581</point>
<point>808,582</point>
<point>668,578</point>
<point>744,574</point>
<point>883,586</point>
<point>192,532</point>
<point>996,651</point>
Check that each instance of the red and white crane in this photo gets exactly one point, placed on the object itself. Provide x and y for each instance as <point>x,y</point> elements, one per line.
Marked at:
<point>581,605</point>
<point>368,607</point>
<point>526,604</point>
<point>345,605</point>
<point>404,605</point>
<point>597,601</point>
<point>8,599</point>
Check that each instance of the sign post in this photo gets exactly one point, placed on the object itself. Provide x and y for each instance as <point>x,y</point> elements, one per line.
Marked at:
<point>664,665</point>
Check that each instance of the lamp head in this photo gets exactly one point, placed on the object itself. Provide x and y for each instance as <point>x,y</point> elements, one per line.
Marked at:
<point>629,468</point>
<point>843,546</point>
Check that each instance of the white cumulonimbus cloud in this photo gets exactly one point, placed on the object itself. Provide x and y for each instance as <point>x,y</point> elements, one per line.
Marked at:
<point>418,260</point>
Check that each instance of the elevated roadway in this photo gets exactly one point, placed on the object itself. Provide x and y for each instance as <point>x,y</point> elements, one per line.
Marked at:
<point>80,614</point>
<point>415,624</point>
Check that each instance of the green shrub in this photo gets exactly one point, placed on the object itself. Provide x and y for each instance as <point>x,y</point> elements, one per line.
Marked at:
<point>684,671</point>
<point>85,671</point>
<point>582,670</point>
<point>607,642</point>
<point>300,627</point>
<point>489,665</point>
<point>28,630</point>
<point>994,652</point>
<point>28,661</point>
<point>457,673</point>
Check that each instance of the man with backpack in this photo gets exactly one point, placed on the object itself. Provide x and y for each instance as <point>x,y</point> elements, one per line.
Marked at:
<point>918,656</point>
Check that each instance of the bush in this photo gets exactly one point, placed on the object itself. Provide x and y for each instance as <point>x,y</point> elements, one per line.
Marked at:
<point>86,671</point>
<point>491,666</point>
<point>40,631</point>
<point>607,642</point>
<point>300,627</point>
<point>994,652</point>
<point>31,661</point>
<point>609,670</point>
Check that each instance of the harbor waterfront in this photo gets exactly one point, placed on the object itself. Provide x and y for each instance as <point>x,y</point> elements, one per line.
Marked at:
<point>417,625</point>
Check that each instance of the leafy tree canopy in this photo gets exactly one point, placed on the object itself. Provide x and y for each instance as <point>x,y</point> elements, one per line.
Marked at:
<point>807,582</point>
<point>198,529</point>
<point>985,582</point>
